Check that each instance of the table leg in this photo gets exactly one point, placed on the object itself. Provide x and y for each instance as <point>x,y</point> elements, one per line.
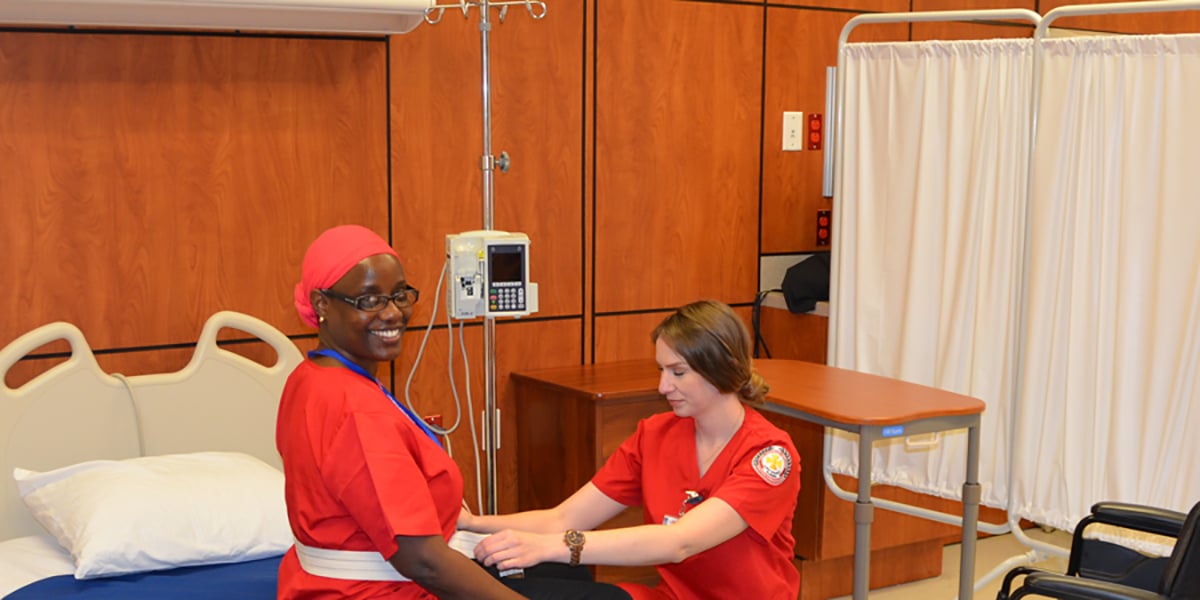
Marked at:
<point>864,514</point>
<point>971,494</point>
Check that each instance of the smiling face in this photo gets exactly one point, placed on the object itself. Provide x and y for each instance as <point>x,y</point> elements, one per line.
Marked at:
<point>688,392</point>
<point>366,338</point>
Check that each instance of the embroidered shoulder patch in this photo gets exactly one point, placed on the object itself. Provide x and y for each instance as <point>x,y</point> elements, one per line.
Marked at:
<point>773,464</point>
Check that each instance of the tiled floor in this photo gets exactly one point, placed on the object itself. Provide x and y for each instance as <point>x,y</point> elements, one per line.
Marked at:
<point>989,553</point>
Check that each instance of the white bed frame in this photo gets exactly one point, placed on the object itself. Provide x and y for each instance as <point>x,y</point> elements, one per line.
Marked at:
<point>75,411</point>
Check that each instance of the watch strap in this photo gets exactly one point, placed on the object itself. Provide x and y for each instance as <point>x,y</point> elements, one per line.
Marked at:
<point>574,539</point>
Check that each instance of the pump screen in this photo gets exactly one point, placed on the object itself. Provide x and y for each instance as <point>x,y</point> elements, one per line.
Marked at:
<point>506,263</point>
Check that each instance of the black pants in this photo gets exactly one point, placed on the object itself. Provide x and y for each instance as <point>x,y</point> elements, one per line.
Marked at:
<point>556,581</point>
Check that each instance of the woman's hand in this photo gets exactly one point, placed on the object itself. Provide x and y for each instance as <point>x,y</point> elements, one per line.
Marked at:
<point>511,549</point>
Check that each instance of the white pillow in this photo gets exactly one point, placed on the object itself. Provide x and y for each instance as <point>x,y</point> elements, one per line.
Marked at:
<point>160,512</point>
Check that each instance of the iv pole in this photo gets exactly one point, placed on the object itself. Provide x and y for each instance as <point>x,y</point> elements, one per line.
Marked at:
<point>488,164</point>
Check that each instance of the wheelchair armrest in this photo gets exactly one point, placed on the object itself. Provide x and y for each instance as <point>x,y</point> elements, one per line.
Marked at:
<point>1066,587</point>
<point>1136,516</point>
<point>1011,576</point>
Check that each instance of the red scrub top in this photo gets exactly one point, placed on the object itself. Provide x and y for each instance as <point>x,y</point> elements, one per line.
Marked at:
<point>358,472</point>
<point>757,473</point>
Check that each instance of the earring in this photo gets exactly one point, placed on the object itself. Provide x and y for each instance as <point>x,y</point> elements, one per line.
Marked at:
<point>320,318</point>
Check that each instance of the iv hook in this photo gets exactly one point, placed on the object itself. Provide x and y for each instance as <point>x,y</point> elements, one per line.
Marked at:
<point>535,8</point>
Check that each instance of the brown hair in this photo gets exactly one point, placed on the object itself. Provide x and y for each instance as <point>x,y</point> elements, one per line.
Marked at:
<point>715,343</point>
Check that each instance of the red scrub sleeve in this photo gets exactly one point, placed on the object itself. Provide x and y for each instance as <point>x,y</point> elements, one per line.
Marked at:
<point>762,505</point>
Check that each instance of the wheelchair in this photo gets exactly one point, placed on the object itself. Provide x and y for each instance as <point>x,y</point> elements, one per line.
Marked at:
<point>1097,569</point>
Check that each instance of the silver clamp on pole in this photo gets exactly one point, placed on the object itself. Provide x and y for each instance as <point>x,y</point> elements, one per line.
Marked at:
<point>487,162</point>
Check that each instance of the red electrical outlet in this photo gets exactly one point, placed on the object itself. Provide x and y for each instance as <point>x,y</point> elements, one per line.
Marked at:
<point>815,132</point>
<point>824,223</point>
<point>435,420</point>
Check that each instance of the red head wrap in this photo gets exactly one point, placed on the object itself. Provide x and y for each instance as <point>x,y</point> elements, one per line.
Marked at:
<point>330,257</point>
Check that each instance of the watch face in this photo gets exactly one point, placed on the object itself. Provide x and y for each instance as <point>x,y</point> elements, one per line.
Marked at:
<point>574,537</point>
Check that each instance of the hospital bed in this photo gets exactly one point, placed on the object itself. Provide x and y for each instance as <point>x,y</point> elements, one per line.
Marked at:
<point>159,485</point>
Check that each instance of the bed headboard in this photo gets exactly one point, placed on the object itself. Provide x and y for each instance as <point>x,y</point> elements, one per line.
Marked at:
<point>75,412</point>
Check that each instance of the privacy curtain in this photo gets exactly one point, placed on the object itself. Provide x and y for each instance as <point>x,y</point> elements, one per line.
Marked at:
<point>1109,399</point>
<point>928,260</point>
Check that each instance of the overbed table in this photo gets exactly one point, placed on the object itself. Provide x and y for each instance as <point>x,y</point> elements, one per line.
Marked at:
<point>878,408</point>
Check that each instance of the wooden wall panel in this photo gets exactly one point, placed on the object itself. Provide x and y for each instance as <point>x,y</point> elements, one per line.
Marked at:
<point>677,117</point>
<point>627,337</point>
<point>800,44</point>
<point>538,92</point>
<point>927,5</point>
<point>968,31</point>
<point>537,117</point>
<point>971,31</point>
<point>151,180</point>
<point>1163,22</point>
<point>437,140</point>
<point>519,346</point>
<point>861,5</point>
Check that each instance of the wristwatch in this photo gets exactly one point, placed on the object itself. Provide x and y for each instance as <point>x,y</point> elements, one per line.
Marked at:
<point>574,540</point>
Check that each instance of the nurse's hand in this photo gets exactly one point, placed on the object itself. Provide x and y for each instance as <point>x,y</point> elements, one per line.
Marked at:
<point>511,549</point>
<point>465,519</point>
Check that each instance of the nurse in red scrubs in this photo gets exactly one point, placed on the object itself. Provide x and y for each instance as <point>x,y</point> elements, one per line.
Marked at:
<point>717,482</point>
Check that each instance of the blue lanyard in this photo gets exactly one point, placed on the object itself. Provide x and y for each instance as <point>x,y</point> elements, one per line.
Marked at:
<point>334,354</point>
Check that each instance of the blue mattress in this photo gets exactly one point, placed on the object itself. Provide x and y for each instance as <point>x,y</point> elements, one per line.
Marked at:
<point>244,580</point>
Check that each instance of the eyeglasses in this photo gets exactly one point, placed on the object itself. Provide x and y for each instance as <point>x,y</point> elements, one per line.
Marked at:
<point>375,302</point>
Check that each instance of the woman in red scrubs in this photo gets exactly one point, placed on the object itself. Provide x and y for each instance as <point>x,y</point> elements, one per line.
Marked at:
<point>372,497</point>
<point>717,482</point>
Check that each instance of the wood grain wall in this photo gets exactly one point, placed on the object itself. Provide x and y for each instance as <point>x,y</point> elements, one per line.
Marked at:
<point>149,179</point>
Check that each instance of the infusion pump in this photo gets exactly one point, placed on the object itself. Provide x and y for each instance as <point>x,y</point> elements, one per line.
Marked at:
<point>489,275</point>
